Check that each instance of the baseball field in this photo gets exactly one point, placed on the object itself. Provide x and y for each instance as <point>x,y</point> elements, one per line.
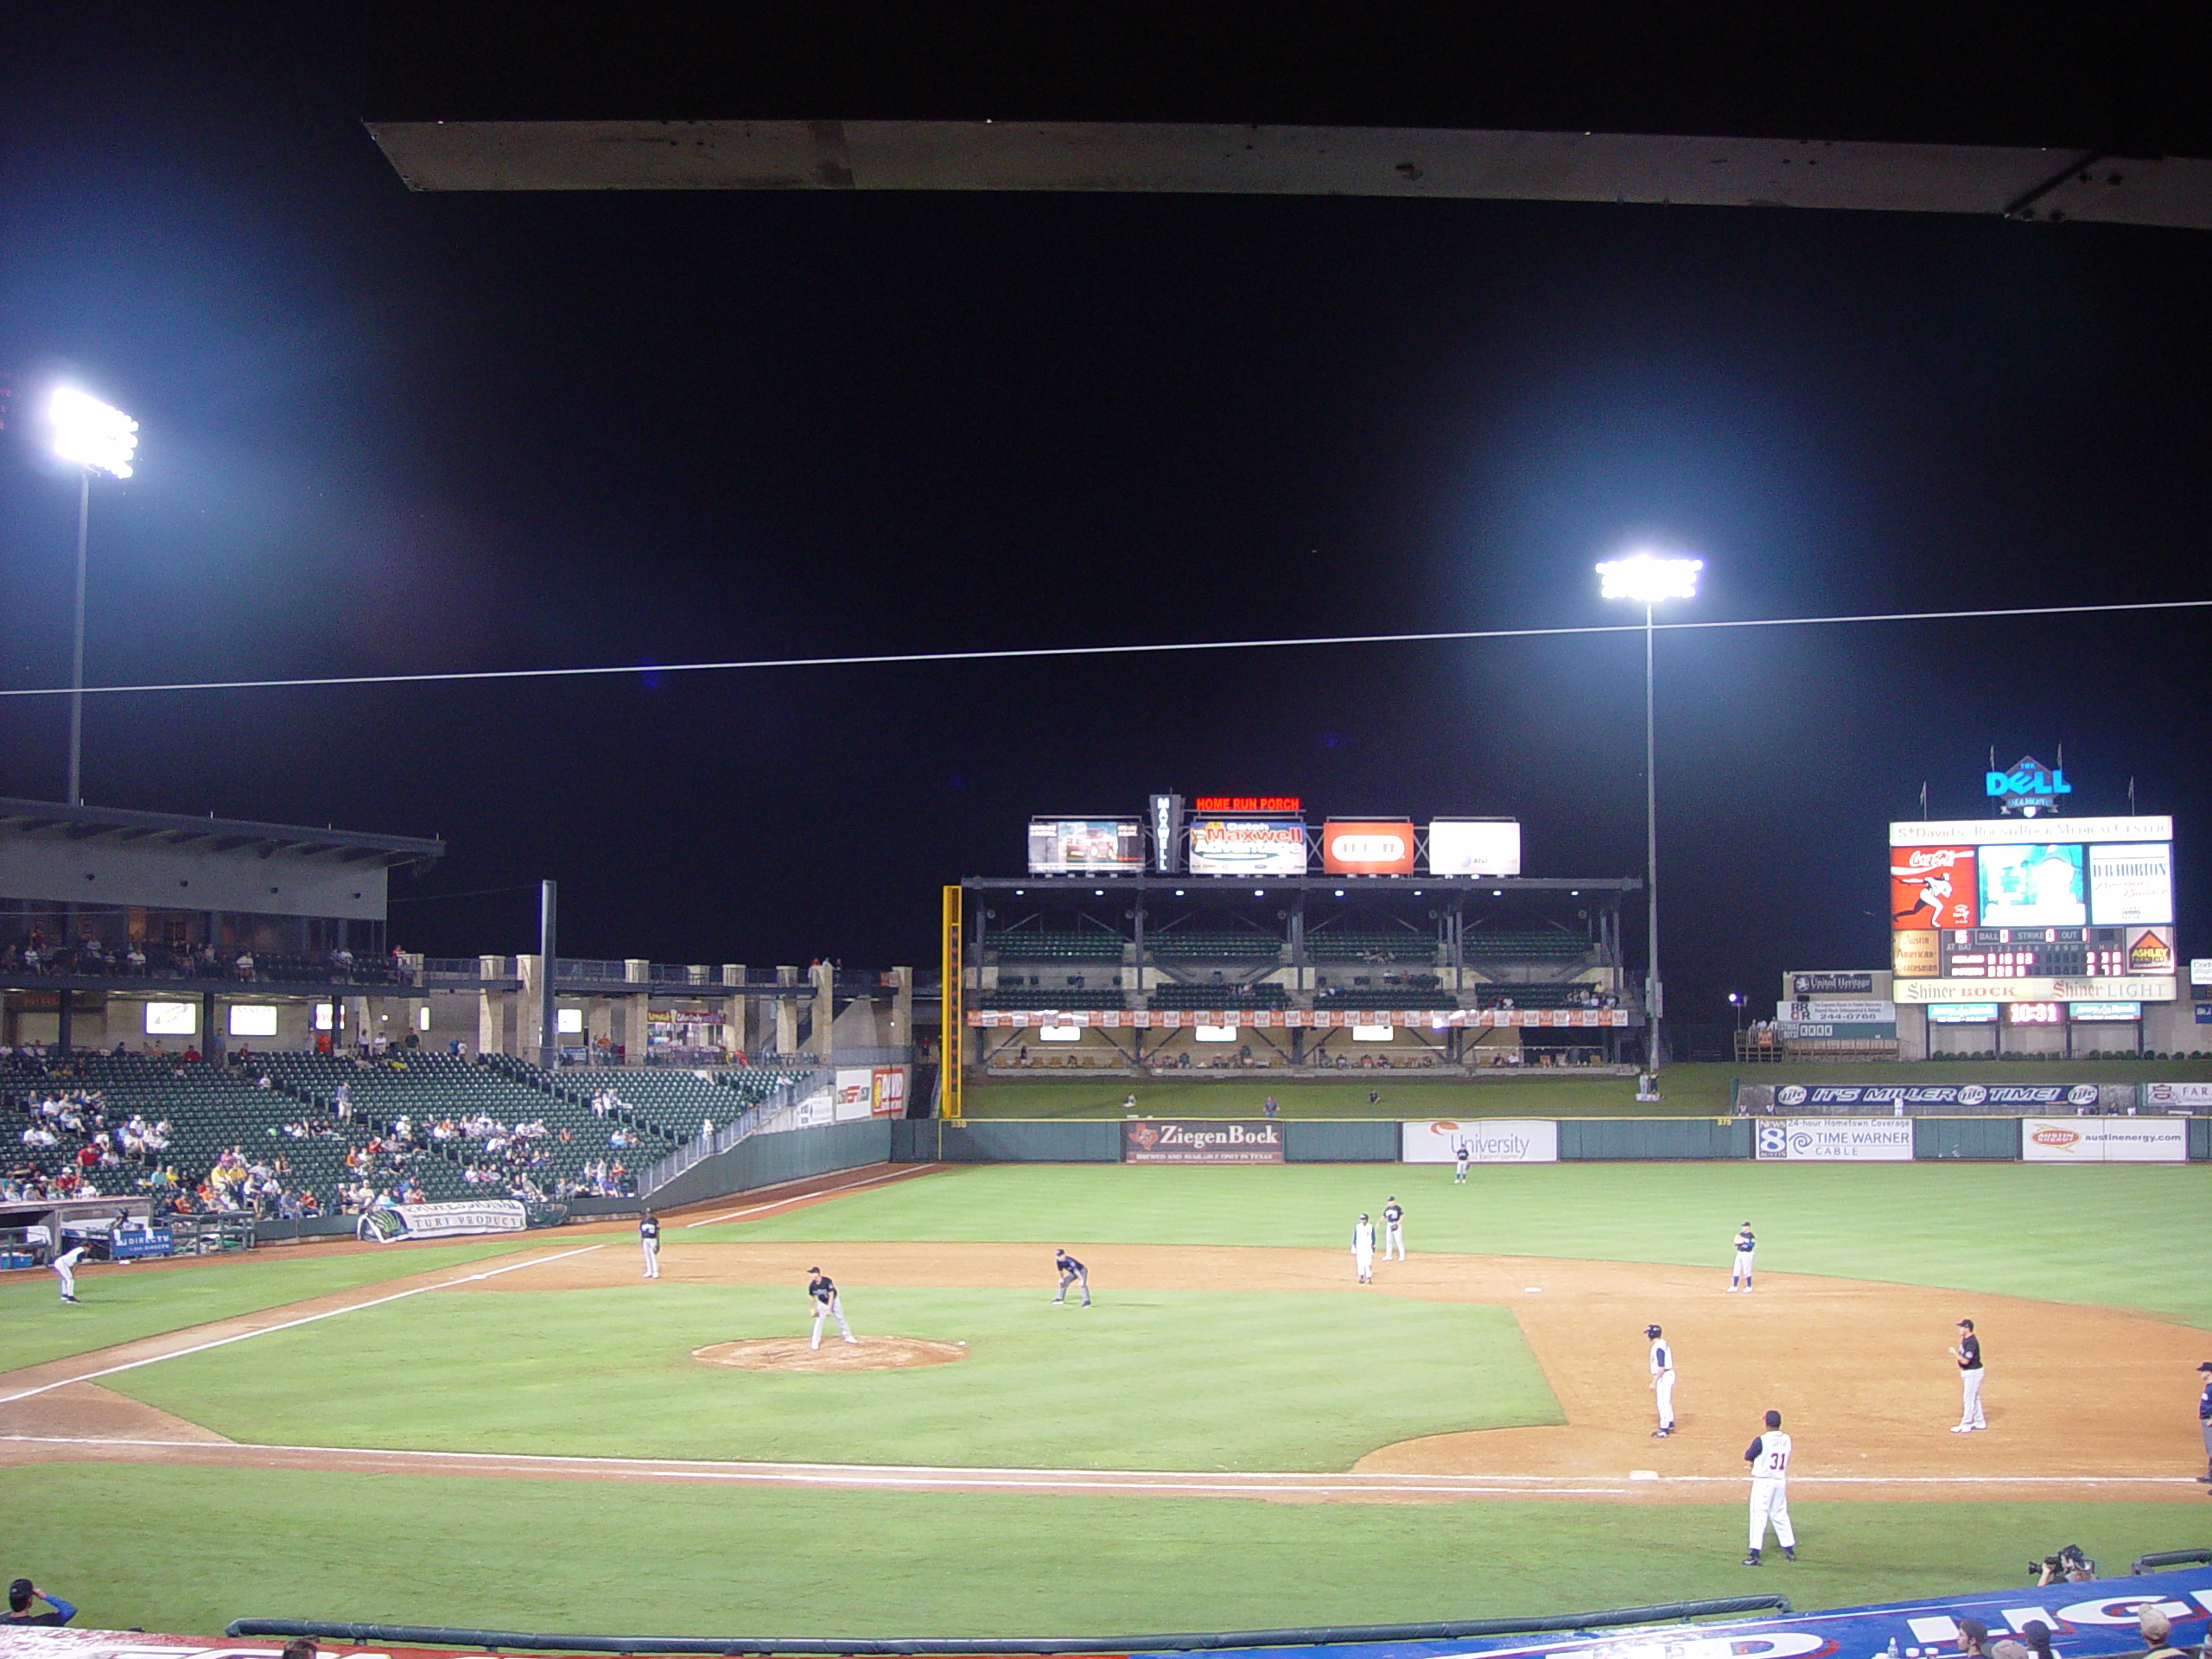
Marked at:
<point>523,1433</point>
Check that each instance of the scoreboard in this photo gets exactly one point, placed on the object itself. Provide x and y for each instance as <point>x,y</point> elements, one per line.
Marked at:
<point>2038,914</point>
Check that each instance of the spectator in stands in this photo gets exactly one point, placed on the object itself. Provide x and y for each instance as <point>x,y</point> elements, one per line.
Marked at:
<point>1973,1635</point>
<point>20,1596</point>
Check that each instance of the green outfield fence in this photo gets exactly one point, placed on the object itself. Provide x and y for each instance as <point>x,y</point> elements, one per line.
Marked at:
<point>769,1160</point>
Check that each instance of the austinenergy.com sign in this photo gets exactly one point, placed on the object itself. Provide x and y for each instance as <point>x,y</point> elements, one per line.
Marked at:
<point>1837,1140</point>
<point>2103,1140</point>
<point>1488,1140</point>
<point>1150,1142</point>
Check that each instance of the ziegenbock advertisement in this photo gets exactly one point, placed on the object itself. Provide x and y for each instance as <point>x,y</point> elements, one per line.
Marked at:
<point>1837,1139</point>
<point>1488,1140</point>
<point>1148,1141</point>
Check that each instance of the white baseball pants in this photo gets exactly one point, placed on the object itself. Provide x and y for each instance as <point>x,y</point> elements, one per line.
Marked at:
<point>1364,1262</point>
<point>1665,1389</point>
<point>1741,1272</point>
<point>1771,1502</point>
<point>1395,1240</point>
<point>833,1309</point>
<point>653,1257</point>
<point>68,1277</point>
<point>1970,1402</point>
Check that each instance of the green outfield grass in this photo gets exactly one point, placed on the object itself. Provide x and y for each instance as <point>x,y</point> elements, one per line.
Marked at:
<point>1691,1090</point>
<point>2115,1235</point>
<point>1164,1379</point>
<point>127,1304</point>
<point>187,1550</point>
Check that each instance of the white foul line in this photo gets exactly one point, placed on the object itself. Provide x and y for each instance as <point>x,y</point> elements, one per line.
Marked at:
<point>801,1197</point>
<point>308,1318</point>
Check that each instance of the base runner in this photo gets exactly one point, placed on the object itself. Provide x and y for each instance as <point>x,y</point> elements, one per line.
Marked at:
<point>1363,1248</point>
<point>1662,1380</point>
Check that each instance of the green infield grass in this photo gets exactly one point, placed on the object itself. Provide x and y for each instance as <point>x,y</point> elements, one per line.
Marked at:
<point>1700,1090</point>
<point>187,1550</point>
<point>2114,1234</point>
<point>145,1300</point>
<point>1161,1380</point>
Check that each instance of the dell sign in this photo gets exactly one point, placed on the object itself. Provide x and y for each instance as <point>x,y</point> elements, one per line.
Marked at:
<point>2029,788</point>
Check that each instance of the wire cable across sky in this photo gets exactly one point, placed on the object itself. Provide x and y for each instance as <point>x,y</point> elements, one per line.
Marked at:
<point>451,677</point>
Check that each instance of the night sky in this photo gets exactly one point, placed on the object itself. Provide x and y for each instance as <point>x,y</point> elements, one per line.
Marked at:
<point>396,433</point>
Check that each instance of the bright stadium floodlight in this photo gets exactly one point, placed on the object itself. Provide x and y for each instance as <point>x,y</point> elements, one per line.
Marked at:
<point>89,434</point>
<point>1645,578</point>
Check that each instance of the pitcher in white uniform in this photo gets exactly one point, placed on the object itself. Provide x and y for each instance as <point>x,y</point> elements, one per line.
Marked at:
<point>1769,1456</point>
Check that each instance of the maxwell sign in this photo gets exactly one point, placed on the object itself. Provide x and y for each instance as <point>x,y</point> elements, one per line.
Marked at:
<point>1149,1142</point>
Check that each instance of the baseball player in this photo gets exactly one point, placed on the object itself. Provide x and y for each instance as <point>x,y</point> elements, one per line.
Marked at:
<point>1459,1166</point>
<point>822,1290</point>
<point>1363,1248</point>
<point>1071,1272</point>
<point>2204,1420</point>
<point>1769,1456</point>
<point>65,1269</point>
<point>1662,1381</point>
<point>1739,1276</point>
<point>649,1242</point>
<point>1393,1232</point>
<point>1968,1355</point>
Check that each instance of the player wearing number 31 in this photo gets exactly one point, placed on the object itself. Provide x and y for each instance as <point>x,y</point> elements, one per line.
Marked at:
<point>1769,1456</point>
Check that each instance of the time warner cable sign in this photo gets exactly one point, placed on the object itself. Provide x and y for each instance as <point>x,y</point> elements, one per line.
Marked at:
<point>1822,1139</point>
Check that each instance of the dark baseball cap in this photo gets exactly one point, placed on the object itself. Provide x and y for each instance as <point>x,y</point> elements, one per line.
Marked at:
<point>2206,1366</point>
<point>19,1595</point>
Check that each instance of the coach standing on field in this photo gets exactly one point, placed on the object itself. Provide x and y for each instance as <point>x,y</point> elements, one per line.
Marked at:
<point>2204,1421</point>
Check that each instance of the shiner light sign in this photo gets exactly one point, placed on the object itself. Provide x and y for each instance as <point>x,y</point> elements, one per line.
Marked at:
<point>1149,1142</point>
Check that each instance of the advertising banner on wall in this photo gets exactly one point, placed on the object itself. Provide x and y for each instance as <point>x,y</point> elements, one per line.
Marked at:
<point>1916,953</point>
<point>1836,1139</point>
<point>1302,1018</point>
<point>2025,832</point>
<point>1488,1140</point>
<point>1474,847</point>
<point>1368,847</point>
<point>2131,883</point>
<point>2103,1140</point>
<point>1932,886</point>
<point>1086,846</point>
<point>1247,847</point>
<point>442,1220</point>
<point>1885,1097</point>
<point>1148,1141</point>
<point>2167,1096</point>
<point>1834,1011</point>
<point>2150,988</point>
<point>872,1091</point>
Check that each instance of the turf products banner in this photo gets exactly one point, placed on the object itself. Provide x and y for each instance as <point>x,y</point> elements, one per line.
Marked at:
<point>443,1220</point>
<point>1488,1140</point>
<point>1148,1141</point>
<point>1837,1139</point>
<point>1882,1097</point>
<point>2103,1140</point>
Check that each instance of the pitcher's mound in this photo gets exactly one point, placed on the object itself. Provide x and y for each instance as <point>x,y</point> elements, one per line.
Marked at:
<point>791,1354</point>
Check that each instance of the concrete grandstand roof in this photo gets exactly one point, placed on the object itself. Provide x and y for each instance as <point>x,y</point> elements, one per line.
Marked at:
<point>120,827</point>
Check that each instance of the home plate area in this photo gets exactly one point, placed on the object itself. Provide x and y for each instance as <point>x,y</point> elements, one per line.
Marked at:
<point>864,1354</point>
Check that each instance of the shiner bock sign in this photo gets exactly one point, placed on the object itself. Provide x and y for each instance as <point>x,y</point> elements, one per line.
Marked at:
<point>1148,1141</point>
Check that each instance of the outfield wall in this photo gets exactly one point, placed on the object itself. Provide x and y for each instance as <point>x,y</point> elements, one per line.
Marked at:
<point>766,1160</point>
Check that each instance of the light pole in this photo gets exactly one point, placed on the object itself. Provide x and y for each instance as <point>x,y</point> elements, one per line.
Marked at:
<point>1646,579</point>
<point>95,439</point>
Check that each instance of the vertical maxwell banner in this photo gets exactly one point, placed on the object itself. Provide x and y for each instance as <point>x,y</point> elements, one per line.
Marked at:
<point>1931,887</point>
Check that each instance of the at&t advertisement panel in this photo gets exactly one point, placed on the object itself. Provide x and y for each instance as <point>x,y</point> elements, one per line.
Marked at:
<point>1086,846</point>
<point>1247,847</point>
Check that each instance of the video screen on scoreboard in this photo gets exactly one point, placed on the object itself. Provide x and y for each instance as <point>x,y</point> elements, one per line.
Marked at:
<point>2039,885</point>
<point>1474,847</point>
<point>1086,845</point>
<point>1247,847</point>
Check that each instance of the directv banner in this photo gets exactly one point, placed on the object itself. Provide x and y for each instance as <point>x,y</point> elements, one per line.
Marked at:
<point>1149,1142</point>
<point>1837,1139</point>
<point>442,1220</point>
<point>1886,1096</point>
<point>2103,1140</point>
<point>1488,1140</point>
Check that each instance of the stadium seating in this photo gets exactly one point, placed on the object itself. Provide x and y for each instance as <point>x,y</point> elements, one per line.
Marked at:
<point>1049,996</point>
<point>1335,945</point>
<point>1485,943</point>
<point>1027,946</point>
<point>1220,996</point>
<point>1214,947</point>
<point>1531,996</point>
<point>1384,996</point>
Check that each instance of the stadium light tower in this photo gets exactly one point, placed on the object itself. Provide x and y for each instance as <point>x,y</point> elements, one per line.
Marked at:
<point>1647,579</point>
<point>94,438</point>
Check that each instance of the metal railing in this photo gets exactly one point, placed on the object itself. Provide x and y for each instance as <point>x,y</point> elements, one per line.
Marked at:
<point>746,1124</point>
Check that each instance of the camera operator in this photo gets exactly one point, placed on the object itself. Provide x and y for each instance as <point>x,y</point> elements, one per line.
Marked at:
<point>2069,1566</point>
